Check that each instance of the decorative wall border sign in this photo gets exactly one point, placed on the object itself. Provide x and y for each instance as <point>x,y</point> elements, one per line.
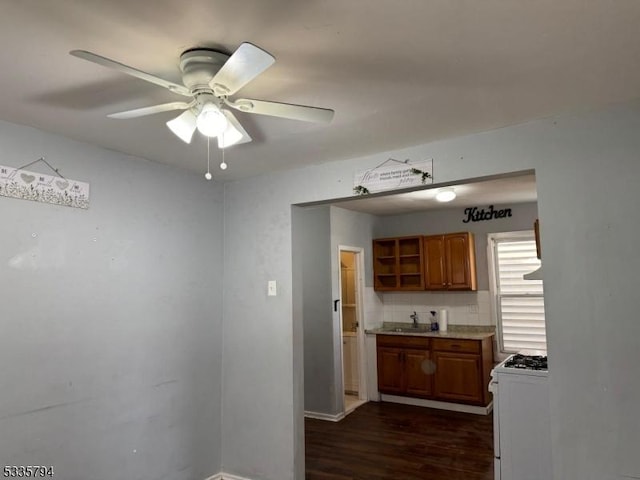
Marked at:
<point>393,174</point>
<point>17,183</point>
<point>475,214</point>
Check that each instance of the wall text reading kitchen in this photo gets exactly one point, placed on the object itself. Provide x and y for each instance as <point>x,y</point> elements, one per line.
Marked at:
<point>478,215</point>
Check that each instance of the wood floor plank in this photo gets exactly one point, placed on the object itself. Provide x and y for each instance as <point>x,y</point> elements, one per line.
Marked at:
<point>383,441</point>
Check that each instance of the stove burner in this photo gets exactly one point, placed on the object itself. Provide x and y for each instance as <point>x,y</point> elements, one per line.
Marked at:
<point>527,362</point>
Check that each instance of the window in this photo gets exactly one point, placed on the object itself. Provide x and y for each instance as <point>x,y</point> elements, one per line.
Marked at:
<point>519,303</point>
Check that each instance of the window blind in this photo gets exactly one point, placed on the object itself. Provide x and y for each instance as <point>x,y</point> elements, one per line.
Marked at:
<point>520,303</point>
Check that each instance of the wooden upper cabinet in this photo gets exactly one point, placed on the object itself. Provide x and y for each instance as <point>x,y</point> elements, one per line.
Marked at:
<point>434,263</point>
<point>461,261</point>
<point>450,262</point>
<point>398,263</point>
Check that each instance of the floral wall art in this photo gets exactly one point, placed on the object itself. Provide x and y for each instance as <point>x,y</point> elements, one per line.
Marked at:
<point>17,183</point>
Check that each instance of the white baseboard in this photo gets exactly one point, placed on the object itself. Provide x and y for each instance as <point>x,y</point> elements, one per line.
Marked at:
<point>226,476</point>
<point>325,416</point>
<point>454,407</point>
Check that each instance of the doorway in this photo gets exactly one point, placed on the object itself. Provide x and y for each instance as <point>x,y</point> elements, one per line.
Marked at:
<point>352,328</point>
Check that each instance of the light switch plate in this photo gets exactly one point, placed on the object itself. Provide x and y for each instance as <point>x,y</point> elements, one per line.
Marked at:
<point>473,308</point>
<point>272,289</point>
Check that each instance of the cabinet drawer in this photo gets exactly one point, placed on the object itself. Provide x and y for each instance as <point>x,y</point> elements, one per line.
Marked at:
<point>401,341</point>
<point>453,345</point>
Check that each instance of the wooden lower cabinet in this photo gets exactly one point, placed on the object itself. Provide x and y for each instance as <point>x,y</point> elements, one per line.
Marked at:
<point>390,370</point>
<point>404,365</point>
<point>458,377</point>
<point>439,369</point>
<point>418,371</point>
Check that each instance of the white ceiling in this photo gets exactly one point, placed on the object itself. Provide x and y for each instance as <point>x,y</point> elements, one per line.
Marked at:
<point>496,191</point>
<point>397,73</point>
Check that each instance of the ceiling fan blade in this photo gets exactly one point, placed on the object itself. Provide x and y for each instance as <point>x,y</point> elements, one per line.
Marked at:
<point>106,62</point>
<point>246,63</point>
<point>183,126</point>
<point>141,112</point>
<point>284,110</point>
<point>234,134</point>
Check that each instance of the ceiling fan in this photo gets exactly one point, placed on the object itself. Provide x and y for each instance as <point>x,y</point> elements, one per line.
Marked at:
<point>209,78</point>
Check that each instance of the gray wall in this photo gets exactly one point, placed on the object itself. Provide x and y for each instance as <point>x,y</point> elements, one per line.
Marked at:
<point>450,220</point>
<point>586,171</point>
<point>351,229</point>
<point>317,233</point>
<point>311,227</point>
<point>354,229</point>
<point>110,351</point>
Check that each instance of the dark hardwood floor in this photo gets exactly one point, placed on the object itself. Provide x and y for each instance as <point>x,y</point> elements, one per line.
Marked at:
<point>400,442</point>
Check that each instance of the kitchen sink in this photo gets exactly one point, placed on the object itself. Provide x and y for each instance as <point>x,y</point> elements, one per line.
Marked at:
<point>408,330</point>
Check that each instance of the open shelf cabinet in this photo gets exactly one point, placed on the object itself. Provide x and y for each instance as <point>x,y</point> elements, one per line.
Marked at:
<point>398,263</point>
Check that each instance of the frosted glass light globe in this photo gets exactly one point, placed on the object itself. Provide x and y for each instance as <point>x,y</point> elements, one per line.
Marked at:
<point>211,121</point>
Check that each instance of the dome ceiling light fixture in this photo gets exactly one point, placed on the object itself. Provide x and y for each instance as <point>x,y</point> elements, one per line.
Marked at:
<point>445,195</point>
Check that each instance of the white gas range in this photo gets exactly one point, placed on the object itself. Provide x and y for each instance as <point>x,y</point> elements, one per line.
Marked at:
<point>521,434</point>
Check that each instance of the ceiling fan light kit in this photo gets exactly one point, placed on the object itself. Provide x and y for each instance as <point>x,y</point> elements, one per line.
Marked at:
<point>183,126</point>
<point>209,77</point>
<point>211,122</point>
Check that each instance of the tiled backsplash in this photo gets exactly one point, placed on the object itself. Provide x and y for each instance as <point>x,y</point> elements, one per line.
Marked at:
<point>373,308</point>
<point>465,308</point>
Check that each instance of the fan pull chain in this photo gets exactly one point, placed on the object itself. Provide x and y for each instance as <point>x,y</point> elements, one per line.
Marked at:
<point>208,175</point>
<point>223,165</point>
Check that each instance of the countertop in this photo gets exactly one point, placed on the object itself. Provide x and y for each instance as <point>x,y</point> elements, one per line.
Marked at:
<point>461,332</point>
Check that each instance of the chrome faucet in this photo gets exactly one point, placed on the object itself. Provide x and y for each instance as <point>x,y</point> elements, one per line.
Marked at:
<point>414,317</point>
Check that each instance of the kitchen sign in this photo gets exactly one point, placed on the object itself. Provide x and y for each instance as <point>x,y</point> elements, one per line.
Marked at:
<point>475,214</point>
<point>393,174</point>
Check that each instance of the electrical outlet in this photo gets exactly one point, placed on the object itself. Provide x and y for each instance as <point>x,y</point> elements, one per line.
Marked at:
<point>272,289</point>
<point>473,308</point>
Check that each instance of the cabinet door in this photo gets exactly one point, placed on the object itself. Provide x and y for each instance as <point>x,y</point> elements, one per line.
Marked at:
<point>390,370</point>
<point>418,369</point>
<point>460,263</point>
<point>434,263</point>
<point>458,377</point>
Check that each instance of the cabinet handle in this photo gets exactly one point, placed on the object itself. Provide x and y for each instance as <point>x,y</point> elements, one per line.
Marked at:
<point>455,345</point>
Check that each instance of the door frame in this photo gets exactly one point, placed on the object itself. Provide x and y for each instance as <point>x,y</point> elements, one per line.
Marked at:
<point>360,335</point>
